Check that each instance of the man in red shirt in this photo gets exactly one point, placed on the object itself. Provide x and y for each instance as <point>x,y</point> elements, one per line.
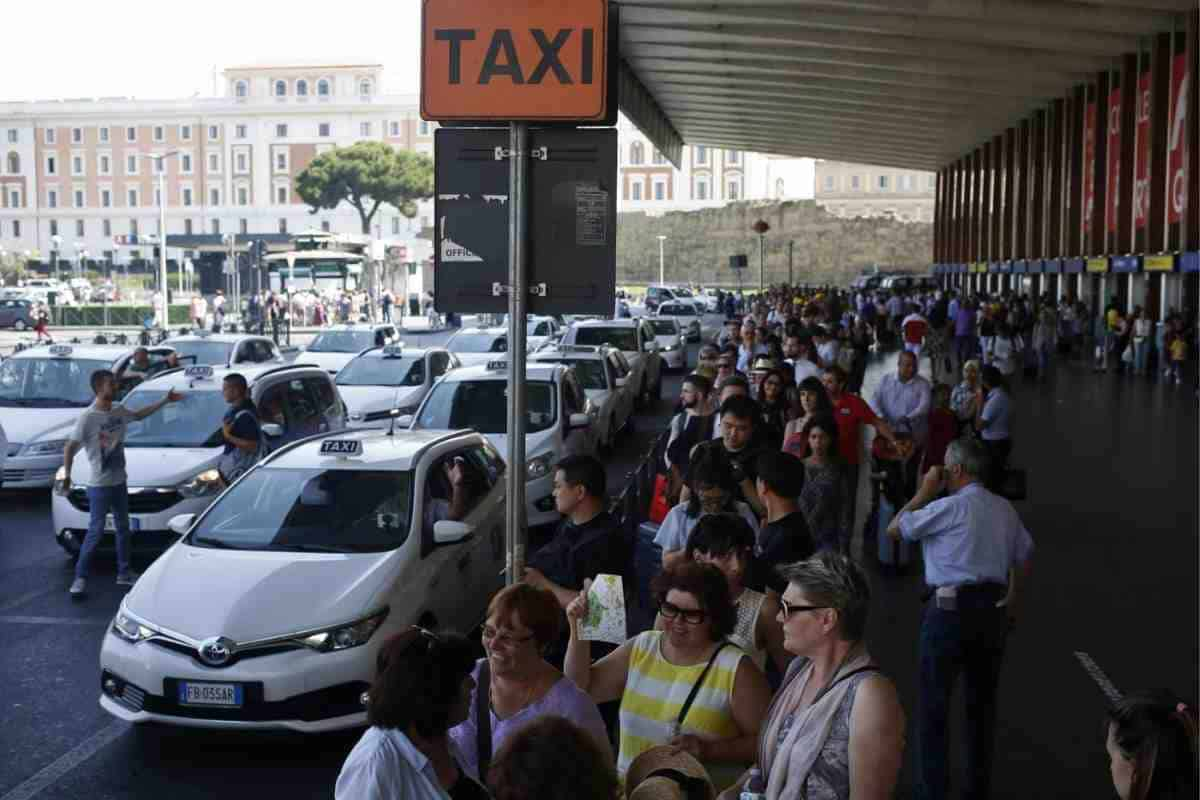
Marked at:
<point>851,412</point>
<point>915,328</point>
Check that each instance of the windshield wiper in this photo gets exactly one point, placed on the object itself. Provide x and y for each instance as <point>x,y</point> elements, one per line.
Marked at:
<point>219,544</point>
<point>307,548</point>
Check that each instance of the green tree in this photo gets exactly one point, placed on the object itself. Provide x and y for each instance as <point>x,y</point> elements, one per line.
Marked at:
<point>366,175</point>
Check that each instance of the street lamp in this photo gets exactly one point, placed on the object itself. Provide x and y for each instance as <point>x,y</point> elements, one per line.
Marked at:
<point>160,167</point>
<point>661,239</point>
<point>761,227</point>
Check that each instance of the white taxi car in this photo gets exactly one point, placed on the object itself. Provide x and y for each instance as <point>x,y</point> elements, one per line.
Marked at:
<point>672,340</point>
<point>602,373</point>
<point>171,456</point>
<point>225,349</point>
<point>636,340</point>
<point>43,390</point>
<point>390,379</point>
<point>477,346</point>
<point>333,348</point>
<point>556,423</point>
<point>687,316</point>
<point>270,611</point>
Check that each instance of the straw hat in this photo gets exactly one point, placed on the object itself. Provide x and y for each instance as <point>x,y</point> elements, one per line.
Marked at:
<point>667,773</point>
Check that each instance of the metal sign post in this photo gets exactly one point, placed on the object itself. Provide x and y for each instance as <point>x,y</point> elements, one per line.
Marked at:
<point>515,530</point>
<point>291,262</point>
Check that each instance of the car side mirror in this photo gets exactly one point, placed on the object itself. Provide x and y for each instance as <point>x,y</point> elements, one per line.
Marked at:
<point>651,347</point>
<point>447,531</point>
<point>576,421</point>
<point>620,383</point>
<point>404,421</point>
<point>180,523</point>
<point>272,430</point>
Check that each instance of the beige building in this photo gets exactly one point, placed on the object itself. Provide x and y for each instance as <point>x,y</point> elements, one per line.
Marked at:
<point>860,190</point>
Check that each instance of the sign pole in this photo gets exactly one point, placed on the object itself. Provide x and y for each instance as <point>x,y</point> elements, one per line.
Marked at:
<point>517,298</point>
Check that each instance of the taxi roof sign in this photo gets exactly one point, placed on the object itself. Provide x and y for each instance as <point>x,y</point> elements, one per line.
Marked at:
<point>520,60</point>
<point>202,372</point>
<point>393,350</point>
<point>493,366</point>
<point>61,349</point>
<point>341,447</point>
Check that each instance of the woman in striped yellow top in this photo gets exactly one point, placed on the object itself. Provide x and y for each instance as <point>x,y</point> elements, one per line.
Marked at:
<point>686,685</point>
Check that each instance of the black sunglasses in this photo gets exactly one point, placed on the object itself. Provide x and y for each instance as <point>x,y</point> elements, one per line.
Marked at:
<point>690,616</point>
<point>787,610</point>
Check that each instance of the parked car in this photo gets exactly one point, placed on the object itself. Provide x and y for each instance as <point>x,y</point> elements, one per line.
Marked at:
<point>685,314</point>
<point>390,381</point>
<point>17,314</point>
<point>603,375</point>
<point>333,348</point>
<point>636,340</point>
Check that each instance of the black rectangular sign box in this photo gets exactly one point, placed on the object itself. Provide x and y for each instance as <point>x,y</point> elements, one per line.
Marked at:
<point>738,261</point>
<point>572,196</point>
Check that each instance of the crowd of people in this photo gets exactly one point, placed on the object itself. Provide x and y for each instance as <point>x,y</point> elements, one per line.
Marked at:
<point>753,677</point>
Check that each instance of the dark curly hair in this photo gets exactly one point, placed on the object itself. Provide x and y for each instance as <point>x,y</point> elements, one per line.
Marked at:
<point>706,583</point>
<point>551,757</point>
<point>419,675</point>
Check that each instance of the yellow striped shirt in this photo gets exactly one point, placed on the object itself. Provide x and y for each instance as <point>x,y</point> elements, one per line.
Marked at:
<point>655,691</point>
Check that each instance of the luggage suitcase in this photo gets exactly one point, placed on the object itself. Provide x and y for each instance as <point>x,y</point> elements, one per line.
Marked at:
<point>894,554</point>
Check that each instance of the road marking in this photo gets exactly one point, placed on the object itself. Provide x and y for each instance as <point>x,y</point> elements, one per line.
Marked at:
<point>26,620</point>
<point>1093,669</point>
<point>68,761</point>
<point>23,599</point>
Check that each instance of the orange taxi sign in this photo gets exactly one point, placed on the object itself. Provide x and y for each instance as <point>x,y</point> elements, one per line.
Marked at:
<point>535,60</point>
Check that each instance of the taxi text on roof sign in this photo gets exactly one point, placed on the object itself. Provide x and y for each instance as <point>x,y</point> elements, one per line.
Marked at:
<point>494,366</point>
<point>201,372</point>
<point>341,447</point>
<point>61,350</point>
<point>393,350</point>
<point>518,60</point>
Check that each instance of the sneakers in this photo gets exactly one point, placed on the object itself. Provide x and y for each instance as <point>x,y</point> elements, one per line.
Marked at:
<point>128,578</point>
<point>78,588</point>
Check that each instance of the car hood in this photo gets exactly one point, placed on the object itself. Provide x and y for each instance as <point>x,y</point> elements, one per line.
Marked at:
<point>156,466</point>
<point>23,425</point>
<point>535,443</point>
<point>249,595</point>
<point>367,399</point>
<point>476,359</point>
<point>330,362</point>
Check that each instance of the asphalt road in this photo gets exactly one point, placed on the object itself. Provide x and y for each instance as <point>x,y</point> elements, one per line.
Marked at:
<point>1113,475</point>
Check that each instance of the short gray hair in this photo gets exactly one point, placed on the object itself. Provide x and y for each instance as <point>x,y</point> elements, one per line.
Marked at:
<point>968,454</point>
<point>838,581</point>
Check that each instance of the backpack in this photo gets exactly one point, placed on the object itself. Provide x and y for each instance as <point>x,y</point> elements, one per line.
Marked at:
<point>237,462</point>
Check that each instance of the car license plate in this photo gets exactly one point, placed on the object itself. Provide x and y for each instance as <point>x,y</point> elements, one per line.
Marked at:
<point>110,524</point>
<point>224,695</point>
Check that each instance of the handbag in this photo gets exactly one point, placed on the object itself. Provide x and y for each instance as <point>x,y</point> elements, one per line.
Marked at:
<point>658,503</point>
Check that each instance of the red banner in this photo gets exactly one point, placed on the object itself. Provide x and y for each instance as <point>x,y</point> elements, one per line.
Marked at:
<point>1089,166</point>
<point>1113,172</point>
<point>1141,160</point>
<point>1177,161</point>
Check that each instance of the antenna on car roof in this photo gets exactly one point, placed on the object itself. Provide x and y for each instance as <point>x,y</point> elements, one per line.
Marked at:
<point>392,428</point>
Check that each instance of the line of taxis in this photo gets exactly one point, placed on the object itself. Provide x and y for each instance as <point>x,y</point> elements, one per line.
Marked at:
<point>224,629</point>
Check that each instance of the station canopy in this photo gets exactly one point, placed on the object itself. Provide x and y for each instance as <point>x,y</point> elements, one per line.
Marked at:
<point>904,83</point>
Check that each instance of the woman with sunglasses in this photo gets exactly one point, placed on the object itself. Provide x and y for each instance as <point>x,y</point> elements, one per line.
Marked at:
<point>835,729</point>
<point>422,689</point>
<point>515,683</point>
<point>685,685</point>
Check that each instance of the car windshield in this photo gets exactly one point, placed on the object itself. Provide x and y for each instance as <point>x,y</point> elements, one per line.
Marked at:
<point>620,338</point>
<point>342,342</point>
<point>590,371</point>
<point>677,311</point>
<point>194,421</point>
<point>683,292</point>
<point>198,351</point>
<point>482,405</point>
<point>372,371</point>
<point>48,382</point>
<point>310,510</point>
<point>665,327</point>
<point>477,343</point>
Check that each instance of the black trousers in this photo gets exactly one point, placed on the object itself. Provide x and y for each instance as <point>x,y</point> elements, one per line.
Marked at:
<point>998,451</point>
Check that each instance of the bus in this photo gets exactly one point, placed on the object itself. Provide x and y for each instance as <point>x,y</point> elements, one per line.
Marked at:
<point>321,261</point>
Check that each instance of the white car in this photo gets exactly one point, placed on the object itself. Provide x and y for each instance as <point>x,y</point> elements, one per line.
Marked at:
<point>390,380</point>
<point>602,373</point>
<point>270,612</point>
<point>636,340</point>
<point>540,330</point>
<point>685,295</point>
<point>557,424</point>
<point>672,340</point>
<point>171,456</point>
<point>475,346</point>
<point>686,314</point>
<point>43,390</point>
<point>333,348</point>
<point>201,348</point>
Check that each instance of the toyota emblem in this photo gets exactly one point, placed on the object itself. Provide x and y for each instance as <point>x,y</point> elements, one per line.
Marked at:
<point>217,651</point>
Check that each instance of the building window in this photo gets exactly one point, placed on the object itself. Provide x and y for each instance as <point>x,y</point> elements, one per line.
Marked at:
<point>54,227</point>
<point>241,162</point>
<point>160,133</point>
<point>216,227</point>
<point>423,128</point>
<point>77,135</point>
<point>701,189</point>
<point>243,196</point>
<point>79,228</point>
<point>79,198</point>
<point>281,131</point>
<point>660,190</point>
<point>395,128</point>
<point>187,197</point>
<point>856,182</point>
<point>281,162</point>
<point>829,183</point>
<point>214,133</point>
<point>364,88</point>
<point>302,88</point>
<point>14,163</point>
<point>779,188</point>
<point>187,227</point>
<point>49,135</point>
<point>636,190</point>
<point>14,199</point>
<point>185,164</point>
<point>281,195</point>
<point>883,183</point>
<point>12,135</point>
<point>103,133</point>
<point>239,89</point>
<point>733,157</point>
<point>131,165</point>
<point>76,165</point>
<point>280,88</point>
<point>214,162</point>
<point>930,181</point>
<point>106,198</point>
<point>733,191</point>
<point>323,88</point>
<point>214,197</point>
<point>637,153</point>
<point>133,228</point>
<point>240,132</point>
<point>658,158</point>
<point>16,229</point>
<point>51,165</point>
<point>133,198</point>
<point>52,199</point>
<point>701,154</point>
<point>185,133</point>
<point>131,134</point>
<point>325,225</point>
<point>106,227</point>
<point>364,129</point>
<point>105,165</point>
<point>160,166</point>
<point>323,129</point>
<point>243,227</point>
<point>283,224</point>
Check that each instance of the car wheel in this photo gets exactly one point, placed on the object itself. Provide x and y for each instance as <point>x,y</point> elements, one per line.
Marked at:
<point>19,325</point>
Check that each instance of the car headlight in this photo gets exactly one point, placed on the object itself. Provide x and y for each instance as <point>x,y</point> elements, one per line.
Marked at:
<point>538,467</point>
<point>130,629</point>
<point>49,447</point>
<point>347,636</point>
<point>60,479</point>
<point>670,348</point>
<point>206,483</point>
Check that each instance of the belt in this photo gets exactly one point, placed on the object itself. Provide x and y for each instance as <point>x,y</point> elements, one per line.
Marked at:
<point>948,598</point>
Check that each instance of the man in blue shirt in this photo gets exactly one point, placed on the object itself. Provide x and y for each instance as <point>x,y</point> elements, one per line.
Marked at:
<point>975,548</point>
<point>239,429</point>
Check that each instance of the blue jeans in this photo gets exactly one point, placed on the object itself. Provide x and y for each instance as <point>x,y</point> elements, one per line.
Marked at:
<point>1141,352</point>
<point>105,500</point>
<point>969,641</point>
